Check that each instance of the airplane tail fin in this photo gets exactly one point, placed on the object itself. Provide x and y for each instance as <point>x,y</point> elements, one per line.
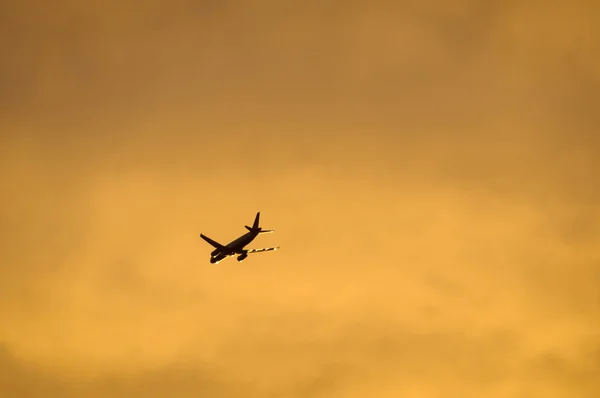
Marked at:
<point>256,228</point>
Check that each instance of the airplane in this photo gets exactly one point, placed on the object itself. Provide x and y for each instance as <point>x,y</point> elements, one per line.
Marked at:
<point>221,252</point>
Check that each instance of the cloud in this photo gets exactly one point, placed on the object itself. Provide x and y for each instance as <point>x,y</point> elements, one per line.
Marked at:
<point>429,169</point>
<point>29,380</point>
<point>358,359</point>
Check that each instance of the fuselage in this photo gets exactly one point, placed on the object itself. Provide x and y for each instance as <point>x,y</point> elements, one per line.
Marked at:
<point>236,247</point>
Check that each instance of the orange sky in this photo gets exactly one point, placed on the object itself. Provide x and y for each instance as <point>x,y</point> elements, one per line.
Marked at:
<point>430,169</point>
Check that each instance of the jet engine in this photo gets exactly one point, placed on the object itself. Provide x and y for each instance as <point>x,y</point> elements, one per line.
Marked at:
<point>242,256</point>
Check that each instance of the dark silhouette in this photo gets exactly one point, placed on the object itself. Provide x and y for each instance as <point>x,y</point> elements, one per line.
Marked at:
<point>221,252</point>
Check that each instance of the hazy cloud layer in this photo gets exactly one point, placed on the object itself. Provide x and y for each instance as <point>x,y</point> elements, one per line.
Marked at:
<point>430,169</point>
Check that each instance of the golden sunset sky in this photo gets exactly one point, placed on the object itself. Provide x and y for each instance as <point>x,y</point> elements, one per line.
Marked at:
<point>431,169</point>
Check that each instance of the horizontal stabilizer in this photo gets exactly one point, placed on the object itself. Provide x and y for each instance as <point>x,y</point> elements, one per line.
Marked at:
<point>255,228</point>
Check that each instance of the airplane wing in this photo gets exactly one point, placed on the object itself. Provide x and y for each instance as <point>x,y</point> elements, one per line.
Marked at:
<point>212,242</point>
<point>266,249</point>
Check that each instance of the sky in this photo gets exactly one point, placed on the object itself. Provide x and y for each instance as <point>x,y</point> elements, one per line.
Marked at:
<point>430,169</point>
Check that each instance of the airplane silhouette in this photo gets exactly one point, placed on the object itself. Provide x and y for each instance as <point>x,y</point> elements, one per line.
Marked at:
<point>221,252</point>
